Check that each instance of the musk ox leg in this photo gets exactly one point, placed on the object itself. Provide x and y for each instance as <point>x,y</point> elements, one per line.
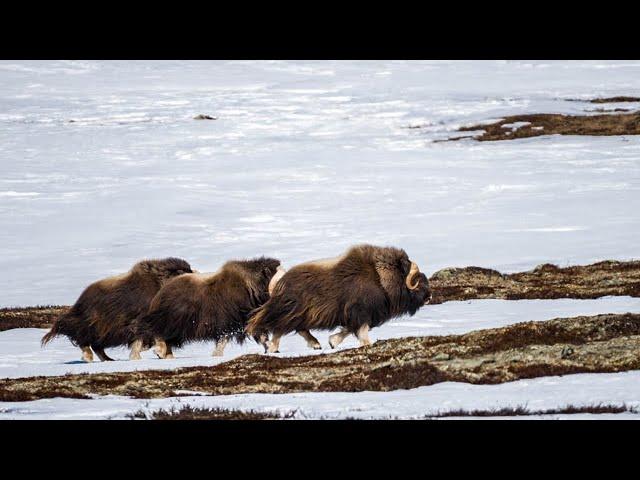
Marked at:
<point>101,355</point>
<point>363,335</point>
<point>337,338</point>
<point>169,354</point>
<point>162,349</point>
<point>273,345</point>
<point>220,344</point>
<point>263,339</point>
<point>312,342</point>
<point>87,354</point>
<point>136,348</point>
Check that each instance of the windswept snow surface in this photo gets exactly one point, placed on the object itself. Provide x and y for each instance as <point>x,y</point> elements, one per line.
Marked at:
<point>102,164</point>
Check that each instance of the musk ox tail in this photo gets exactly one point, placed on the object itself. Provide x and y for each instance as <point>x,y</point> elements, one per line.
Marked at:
<point>58,328</point>
<point>255,326</point>
<point>50,335</point>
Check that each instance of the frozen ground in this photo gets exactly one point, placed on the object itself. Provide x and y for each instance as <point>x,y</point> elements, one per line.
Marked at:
<point>102,164</point>
<point>22,356</point>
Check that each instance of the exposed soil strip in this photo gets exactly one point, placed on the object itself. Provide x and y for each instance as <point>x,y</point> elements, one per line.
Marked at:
<point>538,124</point>
<point>523,411</point>
<point>29,317</point>
<point>544,282</point>
<point>187,412</point>
<point>620,99</point>
<point>602,343</point>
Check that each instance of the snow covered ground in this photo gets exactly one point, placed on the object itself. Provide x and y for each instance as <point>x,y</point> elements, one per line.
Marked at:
<point>538,394</point>
<point>22,356</point>
<point>102,164</point>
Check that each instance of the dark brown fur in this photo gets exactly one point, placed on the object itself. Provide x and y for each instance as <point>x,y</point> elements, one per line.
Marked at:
<point>364,286</point>
<point>207,306</point>
<point>101,317</point>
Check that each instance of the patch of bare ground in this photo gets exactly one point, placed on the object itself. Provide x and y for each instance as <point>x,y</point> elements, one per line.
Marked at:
<point>593,344</point>
<point>619,99</point>
<point>546,281</point>
<point>30,317</point>
<point>187,412</point>
<point>523,411</point>
<point>538,124</point>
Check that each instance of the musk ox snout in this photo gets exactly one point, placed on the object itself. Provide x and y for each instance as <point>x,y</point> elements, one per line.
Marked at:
<point>424,290</point>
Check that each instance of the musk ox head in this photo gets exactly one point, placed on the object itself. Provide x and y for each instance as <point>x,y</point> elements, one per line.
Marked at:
<point>407,287</point>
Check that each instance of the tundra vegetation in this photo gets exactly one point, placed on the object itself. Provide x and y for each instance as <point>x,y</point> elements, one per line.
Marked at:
<point>534,125</point>
<point>586,344</point>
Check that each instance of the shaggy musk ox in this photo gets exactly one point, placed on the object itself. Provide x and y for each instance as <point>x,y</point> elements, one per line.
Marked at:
<point>359,290</point>
<point>101,317</point>
<point>205,306</point>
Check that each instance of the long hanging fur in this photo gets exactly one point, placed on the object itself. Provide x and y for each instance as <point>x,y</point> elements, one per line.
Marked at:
<point>366,285</point>
<point>207,306</point>
<point>102,314</point>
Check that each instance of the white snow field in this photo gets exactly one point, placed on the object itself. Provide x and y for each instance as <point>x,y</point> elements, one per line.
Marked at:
<point>304,159</point>
<point>102,164</point>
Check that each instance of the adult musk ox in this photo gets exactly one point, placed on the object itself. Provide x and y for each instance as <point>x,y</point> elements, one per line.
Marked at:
<point>205,306</point>
<point>102,316</point>
<point>359,290</point>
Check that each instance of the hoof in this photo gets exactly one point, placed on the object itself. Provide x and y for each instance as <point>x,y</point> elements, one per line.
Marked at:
<point>169,356</point>
<point>317,347</point>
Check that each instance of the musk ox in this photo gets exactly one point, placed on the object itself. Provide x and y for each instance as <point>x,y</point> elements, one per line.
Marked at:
<point>102,316</point>
<point>359,290</point>
<point>205,306</point>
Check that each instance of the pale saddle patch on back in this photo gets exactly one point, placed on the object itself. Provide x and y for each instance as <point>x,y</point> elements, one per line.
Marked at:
<point>324,262</point>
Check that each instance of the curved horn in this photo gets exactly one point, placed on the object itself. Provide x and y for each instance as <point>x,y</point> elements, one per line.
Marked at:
<point>412,273</point>
<point>276,277</point>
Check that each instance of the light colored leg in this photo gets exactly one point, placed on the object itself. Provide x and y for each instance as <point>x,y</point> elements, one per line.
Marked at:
<point>312,342</point>
<point>264,341</point>
<point>160,348</point>
<point>87,354</point>
<point>274,344</point>
<point>169,354</point>
<point>337,338</point>
<point>363,335</point>
<point>136,348</point>
<point>220,344</point>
